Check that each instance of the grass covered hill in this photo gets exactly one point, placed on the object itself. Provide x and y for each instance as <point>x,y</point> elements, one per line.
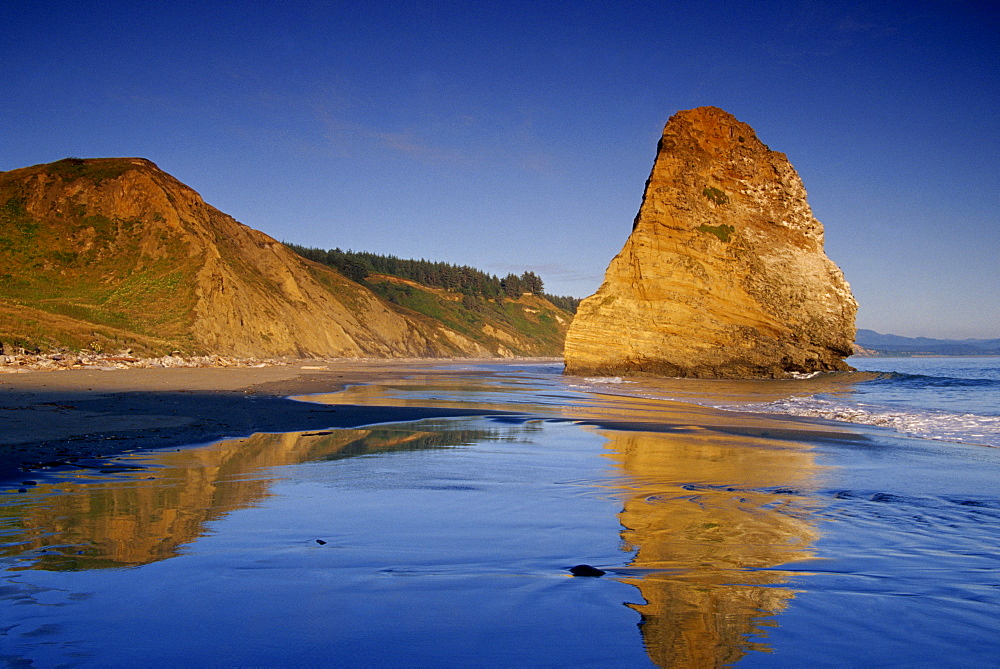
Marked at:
<point>359,265</point>
<point>510,316</point>
<point>114,253</point>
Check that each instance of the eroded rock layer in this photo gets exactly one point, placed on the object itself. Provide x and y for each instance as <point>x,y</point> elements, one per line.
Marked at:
<point>724,274</point>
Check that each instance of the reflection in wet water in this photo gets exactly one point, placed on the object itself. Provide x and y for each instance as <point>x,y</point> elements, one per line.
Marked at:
<point>98,523</point>
<point>701,513</point>
<point>709,516</point>
<point>447,543</point>
<point>444,544</point>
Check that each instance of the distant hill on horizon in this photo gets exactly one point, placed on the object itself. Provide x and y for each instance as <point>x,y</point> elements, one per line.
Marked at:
<point>114,253</point>
<point>875,344</point>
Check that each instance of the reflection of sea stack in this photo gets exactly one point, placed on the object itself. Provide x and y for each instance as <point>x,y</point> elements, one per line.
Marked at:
<point>706,517</point>
<point>724,274</point>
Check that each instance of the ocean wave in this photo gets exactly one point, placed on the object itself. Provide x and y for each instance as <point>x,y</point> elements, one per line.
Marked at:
<point>903,379</point>
<point>928,424</point>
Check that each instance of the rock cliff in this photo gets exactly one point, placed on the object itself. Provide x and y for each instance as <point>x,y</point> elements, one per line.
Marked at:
<point>113,252</point>
<point>724,274</point>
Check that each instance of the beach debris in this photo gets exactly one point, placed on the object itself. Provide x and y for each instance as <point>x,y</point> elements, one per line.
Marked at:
<point>62,360</point>
<point>586,570</point>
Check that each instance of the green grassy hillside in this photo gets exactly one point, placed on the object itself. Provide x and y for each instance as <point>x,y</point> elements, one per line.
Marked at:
<point>71,276</point>
<point>524,326</point>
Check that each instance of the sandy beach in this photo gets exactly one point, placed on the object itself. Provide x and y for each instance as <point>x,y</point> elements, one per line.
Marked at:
<point>57,420</point>
<point>51,420</point>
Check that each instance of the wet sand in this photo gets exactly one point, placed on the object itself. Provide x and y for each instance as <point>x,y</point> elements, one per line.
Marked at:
<point>724,536</point>
<point>52,420</point>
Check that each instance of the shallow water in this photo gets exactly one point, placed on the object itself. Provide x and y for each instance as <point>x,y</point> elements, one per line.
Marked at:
<point>727,538</point>
<point>947,399</point>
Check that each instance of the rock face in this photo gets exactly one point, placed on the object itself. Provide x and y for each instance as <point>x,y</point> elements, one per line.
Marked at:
<point>113,252</point>
<point>724,274</point>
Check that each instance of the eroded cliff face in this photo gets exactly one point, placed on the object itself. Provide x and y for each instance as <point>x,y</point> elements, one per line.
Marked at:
<point>119,249</point>
<point>724,274</point>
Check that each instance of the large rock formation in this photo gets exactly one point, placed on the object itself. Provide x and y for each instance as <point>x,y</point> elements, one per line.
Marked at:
<point>113,253</point>
<point>724,274</point>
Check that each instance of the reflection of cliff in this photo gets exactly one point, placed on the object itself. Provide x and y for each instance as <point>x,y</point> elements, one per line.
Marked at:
<point>702,512</point>
<point>138,521</point>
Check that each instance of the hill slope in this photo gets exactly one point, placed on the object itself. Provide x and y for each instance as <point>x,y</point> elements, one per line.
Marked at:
<point>115,253</point>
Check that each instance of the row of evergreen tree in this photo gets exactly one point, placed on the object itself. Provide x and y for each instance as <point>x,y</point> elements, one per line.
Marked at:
<point>358,265</point>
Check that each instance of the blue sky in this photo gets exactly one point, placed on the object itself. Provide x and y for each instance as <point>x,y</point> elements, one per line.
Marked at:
<point>517,136</point>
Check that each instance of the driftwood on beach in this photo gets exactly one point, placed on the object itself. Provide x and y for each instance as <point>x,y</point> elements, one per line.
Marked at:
<point>23,362</point>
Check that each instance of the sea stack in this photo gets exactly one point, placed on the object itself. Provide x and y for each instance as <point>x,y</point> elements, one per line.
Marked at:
<point>724,274</point>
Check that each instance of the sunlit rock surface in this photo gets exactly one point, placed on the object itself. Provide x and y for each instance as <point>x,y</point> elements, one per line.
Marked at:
<point>724,274</point>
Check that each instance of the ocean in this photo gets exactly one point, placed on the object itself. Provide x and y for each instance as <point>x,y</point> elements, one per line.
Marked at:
<point>947,399</point>
<point>838,520</point>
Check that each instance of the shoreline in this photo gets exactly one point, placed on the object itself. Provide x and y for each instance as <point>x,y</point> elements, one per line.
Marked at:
<point>60,361</point>
<point>82,418</point>
<point>692,513</point>
<point>65,419</point>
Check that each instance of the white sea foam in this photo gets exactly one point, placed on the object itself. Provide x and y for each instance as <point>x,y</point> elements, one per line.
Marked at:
<point>606,379</point>
<point>948,399</point>
<point>928,424</point>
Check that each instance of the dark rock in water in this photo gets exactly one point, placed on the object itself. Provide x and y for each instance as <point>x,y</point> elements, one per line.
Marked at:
<point>321,542</point>
<point>586,570</point>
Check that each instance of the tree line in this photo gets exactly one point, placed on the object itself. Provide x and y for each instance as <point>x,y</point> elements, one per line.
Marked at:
<point>359,265</point>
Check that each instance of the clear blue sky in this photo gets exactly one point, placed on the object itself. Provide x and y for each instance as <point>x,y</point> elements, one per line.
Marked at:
<point>516,136</point>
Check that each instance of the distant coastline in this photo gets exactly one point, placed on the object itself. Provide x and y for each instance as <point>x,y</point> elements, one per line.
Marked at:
<point>922,355</point>
<point>871,344</point>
